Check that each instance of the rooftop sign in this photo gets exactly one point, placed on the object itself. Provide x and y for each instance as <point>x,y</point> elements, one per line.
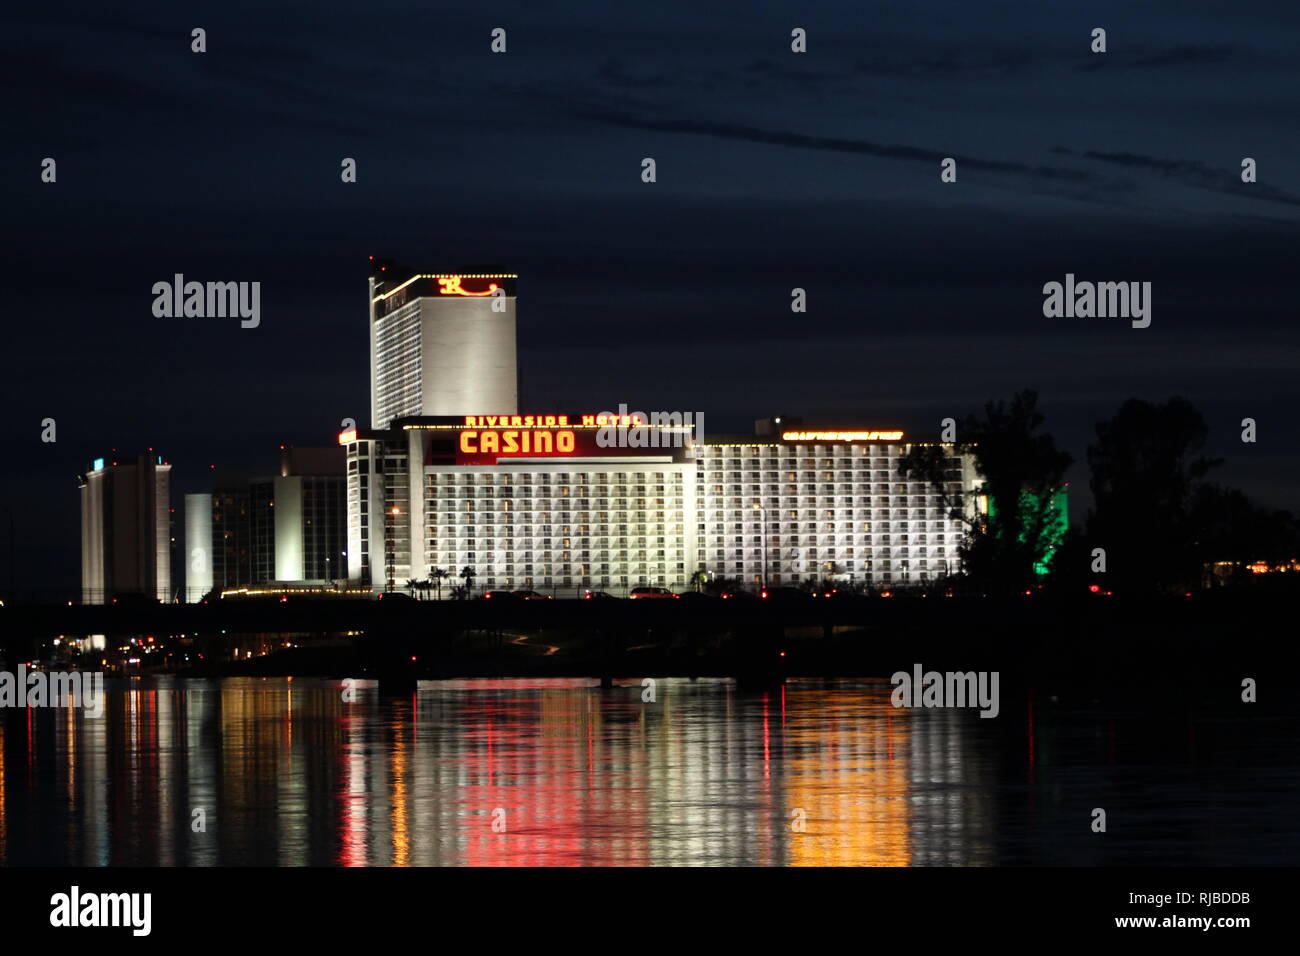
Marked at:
<point>841,436</point>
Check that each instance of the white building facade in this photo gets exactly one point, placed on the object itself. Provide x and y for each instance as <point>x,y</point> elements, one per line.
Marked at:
<point>826,508</point>
<point>547,508</point>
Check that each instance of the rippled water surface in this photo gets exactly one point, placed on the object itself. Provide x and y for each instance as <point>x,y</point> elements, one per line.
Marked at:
<point>561,772</point>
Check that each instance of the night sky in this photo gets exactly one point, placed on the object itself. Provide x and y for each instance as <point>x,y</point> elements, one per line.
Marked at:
<point>775,170</point>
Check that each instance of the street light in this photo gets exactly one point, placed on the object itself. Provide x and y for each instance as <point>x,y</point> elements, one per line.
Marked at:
<point>763,531</point>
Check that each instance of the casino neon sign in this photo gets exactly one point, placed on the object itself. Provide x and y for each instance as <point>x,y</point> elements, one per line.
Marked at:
<point>482,439</point>
<point>517,441</point>
<point>451,286</point>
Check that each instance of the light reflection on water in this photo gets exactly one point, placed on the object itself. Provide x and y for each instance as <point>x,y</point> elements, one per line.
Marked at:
<point>287,773</point>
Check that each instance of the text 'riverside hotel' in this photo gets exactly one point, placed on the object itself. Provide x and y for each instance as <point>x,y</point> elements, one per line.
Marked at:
<point>451,475</point>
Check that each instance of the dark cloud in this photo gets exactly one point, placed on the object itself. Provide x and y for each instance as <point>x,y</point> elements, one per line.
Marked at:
<point>773,137</point>
<point>1193,173</point>
<point>1189,56</point>
<point>1175,57</point>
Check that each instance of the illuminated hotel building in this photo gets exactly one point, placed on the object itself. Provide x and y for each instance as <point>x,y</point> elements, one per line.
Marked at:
<point>126,545</point>
<point>536,502</point>
<point>440,344</point>
<point>451,476</point>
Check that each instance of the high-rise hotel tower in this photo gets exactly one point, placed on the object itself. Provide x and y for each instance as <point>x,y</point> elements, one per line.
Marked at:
<point>440,344</point>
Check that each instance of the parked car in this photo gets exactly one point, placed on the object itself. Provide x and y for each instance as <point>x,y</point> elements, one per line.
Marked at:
<point>499,596</point>
<point>738,594</point>
<point>697,596</point>
<point>388,597</point>
<point>646,592</point>
<point>528,595</point>
<point>784,595</point>
<point>598,596</point>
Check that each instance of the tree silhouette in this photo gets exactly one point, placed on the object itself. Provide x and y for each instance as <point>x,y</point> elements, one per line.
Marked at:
<point>1146,471</point>
<point>468,574</point>
<point>437,576</point>
<point>1022,472</point>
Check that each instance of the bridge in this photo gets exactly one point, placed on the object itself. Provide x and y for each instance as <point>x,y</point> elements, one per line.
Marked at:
<point>340,614</point>
<point>753,640</point>
<point>601,637</point>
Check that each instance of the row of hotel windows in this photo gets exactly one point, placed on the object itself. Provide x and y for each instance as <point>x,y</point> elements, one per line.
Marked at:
<point>775,572</point>
<point>847,523</point>
<point>642,541</point>
<point>770,487</point>
<point>520,527</point>
<point>766,467</point>
<point>624,478</point>
<point>581,479</point>
<point>719,514</point>
<point>919,497</point>
<point>642,563</point>
<point>508,482</point>
<point>657,579</point>
<point>846,545</point>
<point>881,558</point>
<point>774,450</point>
<point>488,479</point>
<point>587,479</point>
<point>899,531</point>
<point>658,524</point>
<point>721,560</point>
<point>842,520</point>
<point>855,470</point>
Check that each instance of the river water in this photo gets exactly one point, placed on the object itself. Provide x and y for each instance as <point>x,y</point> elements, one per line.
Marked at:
<point>560,772</point>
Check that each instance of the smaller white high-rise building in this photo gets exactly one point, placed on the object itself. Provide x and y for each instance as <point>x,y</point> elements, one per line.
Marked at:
<point>126,543</point>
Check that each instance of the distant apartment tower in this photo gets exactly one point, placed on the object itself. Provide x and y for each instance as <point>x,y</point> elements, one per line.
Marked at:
<point>440,343</point>
<point>219,533</point>
<point>256,529</point>
<point>308,529</point>
<point>126,529</point>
